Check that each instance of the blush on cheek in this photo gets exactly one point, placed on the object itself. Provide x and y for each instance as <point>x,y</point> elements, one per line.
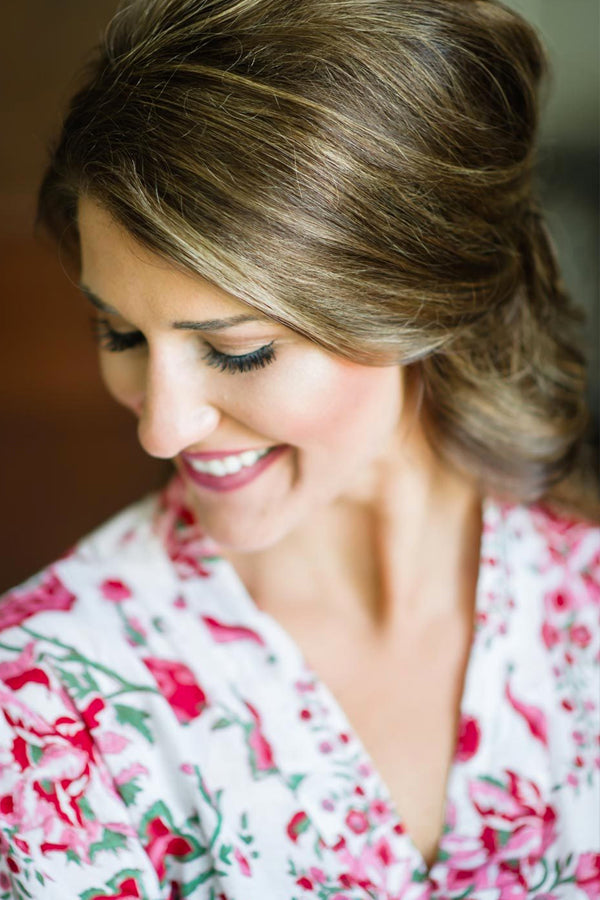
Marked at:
<point>319,400</point>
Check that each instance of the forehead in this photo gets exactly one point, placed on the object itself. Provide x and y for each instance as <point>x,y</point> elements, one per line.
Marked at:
<point>101,234</point>
<point>118,270</point>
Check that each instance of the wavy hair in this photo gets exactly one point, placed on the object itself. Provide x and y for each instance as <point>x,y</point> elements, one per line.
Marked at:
<point>361,171</point>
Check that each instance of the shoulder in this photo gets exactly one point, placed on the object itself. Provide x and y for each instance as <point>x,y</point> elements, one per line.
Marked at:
<point>557,552</point>
<point>541,587</point>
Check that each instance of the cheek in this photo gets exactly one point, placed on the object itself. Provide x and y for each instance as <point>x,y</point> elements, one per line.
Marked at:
<point>321,401</point>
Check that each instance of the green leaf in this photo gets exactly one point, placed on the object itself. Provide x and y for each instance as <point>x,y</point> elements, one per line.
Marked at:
<point>128,791</point>
<point>86,809</point>
<point>35,753</point>
<point>136,636</point>
<point>295,780</point>
<point>190,886</point>
<point>134,717</point>
<point>220,723</point>
<point>70,680</point>
<point>504,837</point>
<point>244,821</point>
<point>22,888</point>
<point>224,853</point>
<point>489,780</point>
<point>111,840</point>
<point>90,681</point>
<point>40,878</point>
<point>72,856</point>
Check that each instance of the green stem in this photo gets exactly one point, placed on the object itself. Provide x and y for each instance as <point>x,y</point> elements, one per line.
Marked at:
<point>75,656</point>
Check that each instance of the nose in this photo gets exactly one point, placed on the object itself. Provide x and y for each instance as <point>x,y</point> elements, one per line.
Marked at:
<point>174,415</point>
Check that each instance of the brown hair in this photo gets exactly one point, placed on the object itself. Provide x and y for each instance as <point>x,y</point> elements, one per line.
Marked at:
<point>360,170</point>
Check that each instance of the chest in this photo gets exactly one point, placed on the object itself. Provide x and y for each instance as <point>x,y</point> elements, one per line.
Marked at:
<point>403,703</point>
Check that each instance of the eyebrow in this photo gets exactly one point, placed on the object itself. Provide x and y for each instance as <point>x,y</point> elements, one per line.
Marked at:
<point>207,325</point>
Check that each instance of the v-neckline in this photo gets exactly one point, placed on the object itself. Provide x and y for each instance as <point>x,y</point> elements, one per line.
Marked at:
<point>280,638</point>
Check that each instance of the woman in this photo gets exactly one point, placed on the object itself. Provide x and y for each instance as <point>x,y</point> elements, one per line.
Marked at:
<point>349,651</point>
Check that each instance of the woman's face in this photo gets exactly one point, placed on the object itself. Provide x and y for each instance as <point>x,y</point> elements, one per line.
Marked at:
<point>214,384</point>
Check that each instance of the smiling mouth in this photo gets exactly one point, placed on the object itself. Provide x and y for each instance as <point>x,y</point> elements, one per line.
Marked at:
<point>230,464</point>
<point>233,471</point>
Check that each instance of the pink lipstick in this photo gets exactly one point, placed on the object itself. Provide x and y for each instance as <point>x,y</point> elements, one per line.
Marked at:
<point>229,482</point>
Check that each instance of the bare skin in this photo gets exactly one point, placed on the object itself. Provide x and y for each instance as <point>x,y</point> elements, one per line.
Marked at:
<point>405,595</point>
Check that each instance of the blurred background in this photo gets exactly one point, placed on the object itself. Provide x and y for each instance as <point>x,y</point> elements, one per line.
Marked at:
<point>69,456</point>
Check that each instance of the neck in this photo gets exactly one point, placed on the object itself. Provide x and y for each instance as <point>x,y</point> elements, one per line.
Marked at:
<point>400,546</point>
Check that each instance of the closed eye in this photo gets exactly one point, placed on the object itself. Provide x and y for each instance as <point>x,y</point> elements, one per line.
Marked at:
<point>120,341</point>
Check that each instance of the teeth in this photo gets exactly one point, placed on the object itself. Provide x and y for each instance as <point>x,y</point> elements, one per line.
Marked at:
<point>228,465</point>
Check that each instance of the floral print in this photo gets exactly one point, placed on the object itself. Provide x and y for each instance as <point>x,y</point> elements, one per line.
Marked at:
<point>162,738</point>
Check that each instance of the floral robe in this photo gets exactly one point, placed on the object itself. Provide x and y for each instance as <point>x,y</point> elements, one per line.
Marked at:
<point>163,738</point>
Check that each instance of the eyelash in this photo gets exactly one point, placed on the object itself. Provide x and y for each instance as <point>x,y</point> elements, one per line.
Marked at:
<point>119,341</point>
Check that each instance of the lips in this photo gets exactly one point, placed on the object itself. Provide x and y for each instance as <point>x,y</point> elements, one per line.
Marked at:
<point>229,482</point>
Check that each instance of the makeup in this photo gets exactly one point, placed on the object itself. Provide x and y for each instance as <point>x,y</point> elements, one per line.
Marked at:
<point>230,481</point>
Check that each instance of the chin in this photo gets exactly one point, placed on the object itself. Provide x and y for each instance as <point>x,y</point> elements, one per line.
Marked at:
<point>240,537</point>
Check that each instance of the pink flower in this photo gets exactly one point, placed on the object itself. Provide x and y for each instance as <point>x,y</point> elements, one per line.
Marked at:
<point>366,869</point>
<point>580,635</point>
<point>357,821</point>
<point>317,875</point>
<point>519,809</point>
<point>110,742</point>
<point>55,779</point>
<point>560,600</point>
<point>379,811</point>
<point>177,684</point>
<point>16,673</point>
<point>136,632</point>
<point>297,824</point>
<point>49,595</point>
<point>177,527</point>
<point>242,863</point>
<point>128,890</point>
<point>563,533</point>
<point>587,874</point>
<point>469,735</point>
<point>131,771</point>
<point>222,633</point>
<point>261,754</point>
<point>550,635</point>
<point>115,590</point>
<point>533,715</point>
<point>592,581</point>
<point>163,842</point>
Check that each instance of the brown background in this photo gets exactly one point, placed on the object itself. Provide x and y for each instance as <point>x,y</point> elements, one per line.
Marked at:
<point>69,457</point>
